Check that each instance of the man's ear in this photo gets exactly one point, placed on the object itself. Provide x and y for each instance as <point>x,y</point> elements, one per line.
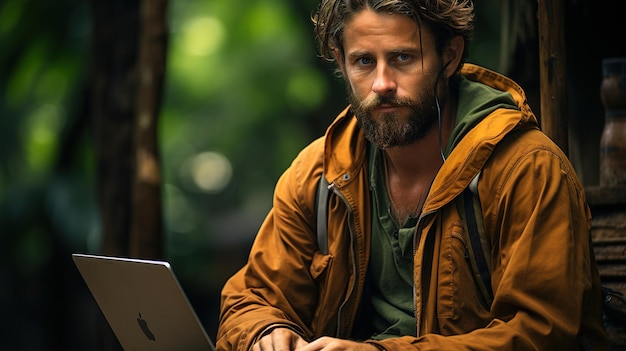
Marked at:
<point>453,54</point>
<point>340,62</point>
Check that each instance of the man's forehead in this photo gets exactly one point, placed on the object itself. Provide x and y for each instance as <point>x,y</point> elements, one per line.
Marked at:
<point>369,27</point>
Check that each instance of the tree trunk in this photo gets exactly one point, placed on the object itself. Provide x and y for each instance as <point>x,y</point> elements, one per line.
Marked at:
<point>128,66</point>
<point>146,237</point>
<point>114,96</point>
<point>130,45</point>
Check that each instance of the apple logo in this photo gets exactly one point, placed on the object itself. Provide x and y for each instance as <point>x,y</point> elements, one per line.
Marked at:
<point>144,326</point>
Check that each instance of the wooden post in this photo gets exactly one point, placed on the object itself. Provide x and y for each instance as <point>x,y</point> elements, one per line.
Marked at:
<point>553,71</point>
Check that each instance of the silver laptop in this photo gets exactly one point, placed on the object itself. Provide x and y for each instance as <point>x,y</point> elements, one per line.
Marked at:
<point>143,303</point>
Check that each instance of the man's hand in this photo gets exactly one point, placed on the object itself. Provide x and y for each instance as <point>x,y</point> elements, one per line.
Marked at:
<point>280,339</point>
<point>333,344</point>
<point>284,339</point>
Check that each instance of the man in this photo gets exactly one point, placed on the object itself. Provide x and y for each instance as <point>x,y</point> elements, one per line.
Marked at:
<point>397,275</point>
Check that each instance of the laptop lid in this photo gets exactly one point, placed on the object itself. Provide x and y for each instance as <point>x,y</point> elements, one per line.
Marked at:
<point>143,303</point>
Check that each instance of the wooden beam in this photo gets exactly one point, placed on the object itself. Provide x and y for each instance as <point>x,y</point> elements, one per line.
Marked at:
<point>553,71</point>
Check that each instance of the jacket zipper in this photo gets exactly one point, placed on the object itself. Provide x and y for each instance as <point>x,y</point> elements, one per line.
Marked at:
<point>415,239</point>
<point>354,265</point>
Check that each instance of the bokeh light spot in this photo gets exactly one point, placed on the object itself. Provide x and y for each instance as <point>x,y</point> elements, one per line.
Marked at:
<point>210,171</point>
<point>203,36</point>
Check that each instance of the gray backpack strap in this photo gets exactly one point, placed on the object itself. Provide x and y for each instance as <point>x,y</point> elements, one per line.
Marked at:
<point>477,238</point>
<point>322,213</point>
<point>480,223</point>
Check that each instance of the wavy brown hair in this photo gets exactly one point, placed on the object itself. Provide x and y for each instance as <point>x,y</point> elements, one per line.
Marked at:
<point>444,18</point>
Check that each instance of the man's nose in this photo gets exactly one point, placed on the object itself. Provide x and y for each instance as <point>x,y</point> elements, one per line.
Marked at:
<point>384,81</point>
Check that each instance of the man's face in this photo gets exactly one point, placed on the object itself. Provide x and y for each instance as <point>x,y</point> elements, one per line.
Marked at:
<point>391,77</point>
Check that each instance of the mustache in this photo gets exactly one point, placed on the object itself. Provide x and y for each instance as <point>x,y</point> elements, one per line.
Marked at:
<point>378,101</point>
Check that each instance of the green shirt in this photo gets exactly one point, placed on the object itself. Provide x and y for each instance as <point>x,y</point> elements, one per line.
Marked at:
<point>391,263</point>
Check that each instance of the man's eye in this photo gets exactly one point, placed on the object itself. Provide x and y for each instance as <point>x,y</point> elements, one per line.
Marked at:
<point>363,61</point>
<point>404,57</point>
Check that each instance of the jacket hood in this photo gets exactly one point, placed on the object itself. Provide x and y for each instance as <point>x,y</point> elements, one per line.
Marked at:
<point>490,107</point>
<point>476,101</point>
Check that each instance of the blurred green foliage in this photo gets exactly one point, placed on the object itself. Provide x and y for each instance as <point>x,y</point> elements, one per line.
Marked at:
<point>244,92</point>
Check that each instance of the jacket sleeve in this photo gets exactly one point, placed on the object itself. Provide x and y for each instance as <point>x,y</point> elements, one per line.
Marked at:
<point>545,281</point>
<point>276,287</point>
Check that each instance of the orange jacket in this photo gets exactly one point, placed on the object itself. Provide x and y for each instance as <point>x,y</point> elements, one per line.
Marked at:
<point>544,278</point>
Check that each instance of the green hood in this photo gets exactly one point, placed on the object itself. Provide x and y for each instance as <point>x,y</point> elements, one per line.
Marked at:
<point>476,101</point>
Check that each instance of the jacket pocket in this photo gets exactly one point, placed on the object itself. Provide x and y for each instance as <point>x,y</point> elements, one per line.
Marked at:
<point>451,265</point>
<point>323,322</point>
<point>319,265</point>
<point>320,270</point>
<point>459,308</point>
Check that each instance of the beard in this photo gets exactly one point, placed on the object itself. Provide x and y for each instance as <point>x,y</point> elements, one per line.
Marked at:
<point>391,129</point>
